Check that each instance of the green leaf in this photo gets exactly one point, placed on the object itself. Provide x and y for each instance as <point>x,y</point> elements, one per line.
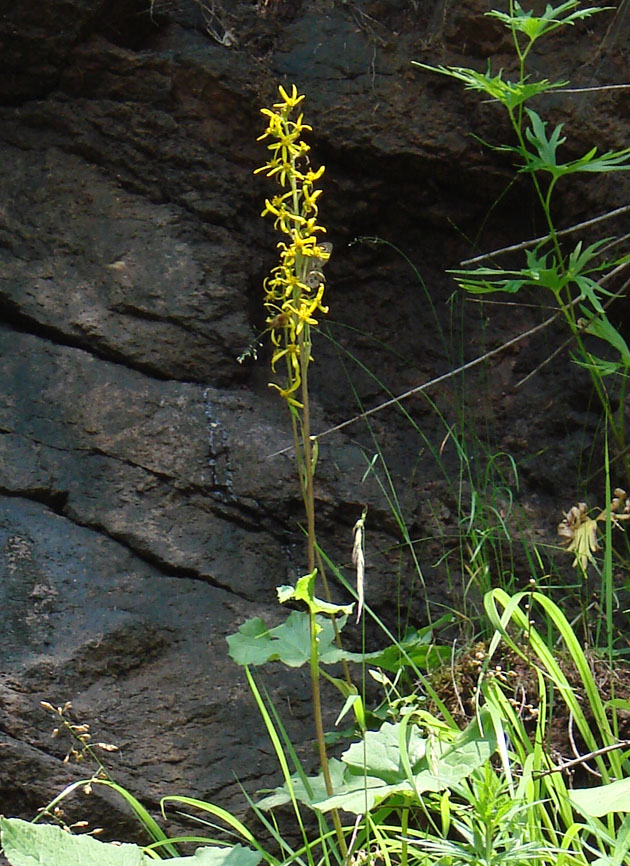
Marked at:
<point>379,752</point>
<point>330,654</point>
<point>542,270</point>
<point>588,289</point>
<point>579,258</point>
<point>416,648</point>
<point>377,771</point>
<point>290,642</point>
<point>314,790</point>
<point>536,26</point>
<point>600,365</point>
<point>252,643</point>
<point>486,280</point>
<point>546,147</point>
<point>622,842</point>
<point>304,591</point>
<point>363,794</point>
<point>214,855</point>
<point>601,327</point>
<point>27,844</point>
<point>358,784</point>
<point>546,160</point>
<point>469,751</point>
<point>511,94</point>
<point>602,800</point>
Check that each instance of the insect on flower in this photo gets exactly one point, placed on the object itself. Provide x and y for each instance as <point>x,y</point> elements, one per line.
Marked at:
<point>278,321</point>
<point>313,276</point>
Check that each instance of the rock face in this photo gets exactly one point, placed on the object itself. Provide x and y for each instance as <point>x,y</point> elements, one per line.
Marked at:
<point>142,516</point>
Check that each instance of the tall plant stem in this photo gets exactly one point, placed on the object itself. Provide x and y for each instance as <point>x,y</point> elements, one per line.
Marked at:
<point>307,474</point>
<point>307,450</point>
<point>404,824</point>
<point>306,481</point>
<point>319,733</point>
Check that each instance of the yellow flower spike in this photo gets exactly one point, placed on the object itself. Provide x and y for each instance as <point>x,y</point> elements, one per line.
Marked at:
<point>294,290</point>
<point>291,288</point>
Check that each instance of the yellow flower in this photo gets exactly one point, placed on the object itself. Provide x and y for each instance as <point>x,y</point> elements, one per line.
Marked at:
<point>284,215</point>
<point>304,244</point>
<point>286,393</point>
<point>311,176</point>
<point>310,198</point>
<point>310,227</point>
<point>289,101</point>
<point>274,125</point>
<point>292,352</point>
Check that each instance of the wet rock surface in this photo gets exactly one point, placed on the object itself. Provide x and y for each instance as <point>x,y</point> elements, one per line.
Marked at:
<point>142,516</point>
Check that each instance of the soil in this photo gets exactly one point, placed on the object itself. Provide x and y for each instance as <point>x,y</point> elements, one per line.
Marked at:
<point>459,685</point>
<point>145,512</point>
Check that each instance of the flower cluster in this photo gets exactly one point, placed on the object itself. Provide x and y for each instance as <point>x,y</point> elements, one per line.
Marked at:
<point>295,288</point>
<point>579,531</point>
<point>81,746</point>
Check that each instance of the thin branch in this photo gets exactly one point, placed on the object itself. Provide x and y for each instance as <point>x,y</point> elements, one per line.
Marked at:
<point>593,89</point>
<point>533,241</point>
<point>470,364</point>
<point>582,759</point>
<point>420,388</point>
<point>544,363</point>
<point>613,243</point>
<point>522,305</point>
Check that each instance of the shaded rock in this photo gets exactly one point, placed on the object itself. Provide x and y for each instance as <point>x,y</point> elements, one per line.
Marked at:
<point>90,265</point>
<point>134,651</point>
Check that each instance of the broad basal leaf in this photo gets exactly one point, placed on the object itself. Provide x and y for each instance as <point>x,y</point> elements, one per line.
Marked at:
<point>308,790</point>
<point>603,799</point>
<point>379,753</point>
<point>289,642</point>
<point>376,768</point>
<point>26,844</point>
